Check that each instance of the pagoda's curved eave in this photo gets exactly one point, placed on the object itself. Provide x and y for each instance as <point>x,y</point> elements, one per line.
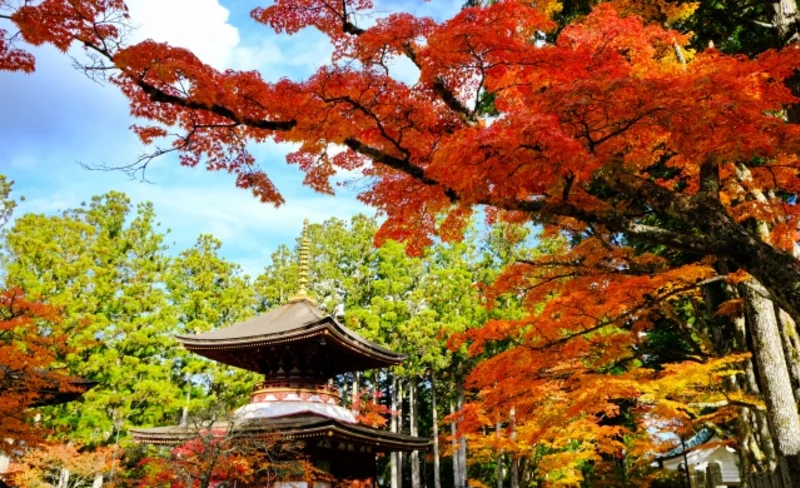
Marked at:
<point>360,435</point>
<point>327,327</point>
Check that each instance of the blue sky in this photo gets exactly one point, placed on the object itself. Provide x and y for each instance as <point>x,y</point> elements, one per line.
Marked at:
<point>56,118</point>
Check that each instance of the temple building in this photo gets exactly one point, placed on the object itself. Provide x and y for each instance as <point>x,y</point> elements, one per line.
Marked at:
<point>299,350</point>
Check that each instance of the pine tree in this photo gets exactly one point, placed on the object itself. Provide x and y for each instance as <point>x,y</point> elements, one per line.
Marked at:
<point>103,266</point>
<point>209,292</point>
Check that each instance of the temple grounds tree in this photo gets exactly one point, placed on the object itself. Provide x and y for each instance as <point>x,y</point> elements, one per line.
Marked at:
<point>217,451</point>
<point>62,465</point>
<point>103,266</point>
<point>208,293</point>
<point>700,121</point>
<point>29,345</point>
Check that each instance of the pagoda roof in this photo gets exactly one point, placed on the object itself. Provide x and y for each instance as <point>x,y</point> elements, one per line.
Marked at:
<point>306,427</point>
<point>295,323</point>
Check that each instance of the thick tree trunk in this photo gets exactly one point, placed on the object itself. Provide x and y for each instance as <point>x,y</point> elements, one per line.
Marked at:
<point>457,481</point>
<point>753,429</point>
<point>395,461</point>
<point>791,349</point>
<point>63,478</point>
<point>437,476</point>
<point>784,18</point>
<point>782,414</point>
<point>416,481</point>
<point>5,461</point>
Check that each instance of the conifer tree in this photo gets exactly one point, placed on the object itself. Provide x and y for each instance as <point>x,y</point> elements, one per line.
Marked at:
<point>103,266</point>
<point>208,292</point>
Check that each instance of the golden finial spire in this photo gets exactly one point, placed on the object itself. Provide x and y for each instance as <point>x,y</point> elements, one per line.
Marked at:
<point>302,265</point>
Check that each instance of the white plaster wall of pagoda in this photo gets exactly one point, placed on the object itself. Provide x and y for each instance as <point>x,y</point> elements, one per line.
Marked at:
<point>268,396</point>
<point>301,484</point>
<point>272,409</point>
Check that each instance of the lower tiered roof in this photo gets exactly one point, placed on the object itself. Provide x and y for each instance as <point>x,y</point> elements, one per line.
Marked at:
<point>310,428</point>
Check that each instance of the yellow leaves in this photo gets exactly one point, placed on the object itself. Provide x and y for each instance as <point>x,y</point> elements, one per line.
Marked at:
<point>47,462</point>
<point>475,483</point>
<point>731,308</point>
<point>659,12</point>
<point>562,469</point>
<point>737,277</point>
<point>684,392</point>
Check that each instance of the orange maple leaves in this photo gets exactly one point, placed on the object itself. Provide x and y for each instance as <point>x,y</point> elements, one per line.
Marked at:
<point>609,90</point>
<point>48,461</point>
<point>94,23</point>
<point>368,411</point>
<point>28,346</point>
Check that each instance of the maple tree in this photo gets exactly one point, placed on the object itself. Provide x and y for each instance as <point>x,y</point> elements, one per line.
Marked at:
<point>369,411</point>
<point>28,347</point>
<point>218,450</point>
<point>700,122</point>
<point>46,466</point>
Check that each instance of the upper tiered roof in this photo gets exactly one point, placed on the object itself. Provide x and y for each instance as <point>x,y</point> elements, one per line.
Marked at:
<point>295,339</point>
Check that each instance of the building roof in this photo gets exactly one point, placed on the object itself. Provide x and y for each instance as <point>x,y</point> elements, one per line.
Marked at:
<point>57,396</point>
<point>55,388</point>
<point>298,324</point>
<point>696,440</point>
<point>298,427</point>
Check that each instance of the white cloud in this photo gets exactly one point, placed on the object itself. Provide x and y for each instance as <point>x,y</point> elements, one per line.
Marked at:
<point>199,25</point>
<point>234,216</point>
<point>57,117</point>
<point>258,57</point>
<point>203,26</point>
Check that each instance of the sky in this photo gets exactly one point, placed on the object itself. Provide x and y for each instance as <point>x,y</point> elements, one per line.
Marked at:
<point>56,120</point>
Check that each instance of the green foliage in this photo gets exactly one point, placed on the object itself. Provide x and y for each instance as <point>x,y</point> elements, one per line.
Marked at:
<point>124,299</point>
<point>208,293</point>
<point>102,265</point>
<point>7,204</point>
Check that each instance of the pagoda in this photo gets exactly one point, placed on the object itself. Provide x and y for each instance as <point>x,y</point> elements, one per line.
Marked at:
<point>299,350</point>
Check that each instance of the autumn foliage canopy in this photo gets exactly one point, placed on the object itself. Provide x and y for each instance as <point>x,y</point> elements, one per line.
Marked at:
<point>27,350</point>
